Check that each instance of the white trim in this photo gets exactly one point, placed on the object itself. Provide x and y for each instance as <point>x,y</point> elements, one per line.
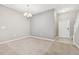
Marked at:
<point>75,42</point>
<point>54,39</point>
<point>3,42</point>
<point>13,39</point>
<point>43,38</point>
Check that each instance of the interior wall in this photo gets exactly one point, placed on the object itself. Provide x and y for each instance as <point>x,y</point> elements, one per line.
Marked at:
<point>12,24</point>
<point>43,24</point>
<point>76,31</point>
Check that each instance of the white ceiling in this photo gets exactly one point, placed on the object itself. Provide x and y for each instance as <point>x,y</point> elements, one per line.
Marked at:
<point>37,8</point>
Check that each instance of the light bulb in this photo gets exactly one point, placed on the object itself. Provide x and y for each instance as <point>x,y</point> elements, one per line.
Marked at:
<point>30,15</point>
<point>25,14</point>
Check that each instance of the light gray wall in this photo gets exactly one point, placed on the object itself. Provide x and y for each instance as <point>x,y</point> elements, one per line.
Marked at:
<point>76,36</point>
<point>43,24</point>
<point>16,24</point>
<point>76,30</point>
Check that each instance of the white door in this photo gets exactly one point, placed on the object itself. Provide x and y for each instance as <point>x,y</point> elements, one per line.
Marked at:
<point>63,26</point>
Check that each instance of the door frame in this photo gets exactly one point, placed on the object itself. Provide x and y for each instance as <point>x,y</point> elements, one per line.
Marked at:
<point>57,14</point>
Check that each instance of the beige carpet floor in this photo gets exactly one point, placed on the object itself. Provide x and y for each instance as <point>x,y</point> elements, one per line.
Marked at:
<point>33,46</point>
<point>59,48</point>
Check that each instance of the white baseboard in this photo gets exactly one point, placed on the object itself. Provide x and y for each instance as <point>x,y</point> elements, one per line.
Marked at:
<point>75,42</point>
<point>54,39</point>
<point>76,45</point>
<point>43,38</point>
<point>3,42</point>
<point>22,37</point>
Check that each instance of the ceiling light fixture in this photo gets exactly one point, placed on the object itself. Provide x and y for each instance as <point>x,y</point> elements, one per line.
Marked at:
<point>27,14</point>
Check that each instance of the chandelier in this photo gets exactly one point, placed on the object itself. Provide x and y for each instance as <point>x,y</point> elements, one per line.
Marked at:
<point>27,14</point>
